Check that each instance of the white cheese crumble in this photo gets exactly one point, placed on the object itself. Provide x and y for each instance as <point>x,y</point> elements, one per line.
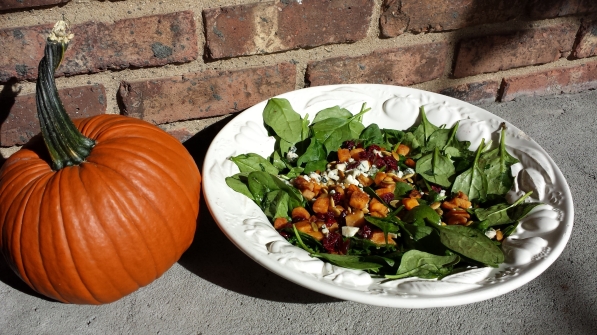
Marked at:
<point>291,156</point>
<point>341,167</point>
<point>349,231</point>
<point>315,176</point>
<point>324,229</point>
<point>364,166</point>
<point>490,233</point>
<point>409,171</point>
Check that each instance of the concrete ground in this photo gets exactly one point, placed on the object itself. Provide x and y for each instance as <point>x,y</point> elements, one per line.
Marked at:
<point>216,289</point>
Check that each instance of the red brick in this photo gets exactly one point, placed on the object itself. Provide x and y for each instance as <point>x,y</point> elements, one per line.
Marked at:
<point>586,44</point>
<point>438,15</point>
<point>271,27</point>
<point>478,92</point>
<point>140,42</point>
<point>502,52</point>
<point>204,94</point>
<point>400,66</point>
<point>21,4</point>
<point>182,133</point>
<point>565,80</point>
<point>21,113</point>
<point>545,9</point>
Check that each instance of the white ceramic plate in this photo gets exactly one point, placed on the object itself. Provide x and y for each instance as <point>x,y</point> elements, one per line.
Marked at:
<point>536,244</point>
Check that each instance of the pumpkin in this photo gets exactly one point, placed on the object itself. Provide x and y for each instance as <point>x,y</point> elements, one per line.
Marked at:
<point>95,208</point>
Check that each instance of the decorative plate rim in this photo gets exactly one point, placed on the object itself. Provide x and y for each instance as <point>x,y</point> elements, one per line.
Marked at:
<point>374,294</point>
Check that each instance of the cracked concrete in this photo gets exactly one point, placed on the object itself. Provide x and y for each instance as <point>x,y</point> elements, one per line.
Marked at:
<point>216,289</point>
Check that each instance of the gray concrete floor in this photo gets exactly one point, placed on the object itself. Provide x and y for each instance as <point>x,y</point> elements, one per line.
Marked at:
<point>216,289</point>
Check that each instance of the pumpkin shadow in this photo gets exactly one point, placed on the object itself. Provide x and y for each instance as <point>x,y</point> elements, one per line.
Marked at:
<point>8,277</point>
<point>213,257</point>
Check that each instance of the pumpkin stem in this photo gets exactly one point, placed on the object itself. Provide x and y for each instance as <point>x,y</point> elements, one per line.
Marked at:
<point>65,143</point>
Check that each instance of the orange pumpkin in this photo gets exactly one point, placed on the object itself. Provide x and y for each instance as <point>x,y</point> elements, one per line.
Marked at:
<point>92,216</point>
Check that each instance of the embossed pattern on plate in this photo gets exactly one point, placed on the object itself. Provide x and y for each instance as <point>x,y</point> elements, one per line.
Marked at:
<point>530,250</point>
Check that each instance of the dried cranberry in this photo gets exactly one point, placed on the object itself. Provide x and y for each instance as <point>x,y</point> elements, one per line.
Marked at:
<point>348,145</point>
<point>328,218</point>
<point>365,156</point>
<point>344,247</point>
<point>436,189</point>
<point>391,163</point>
<point>342,218</point>
<point>373,147</point>
<point>332,242</point>
<point>352,165</point>
<point>284,234</point>
<point>387,197</point>
<point>365,231</point>
<point>337,197</point>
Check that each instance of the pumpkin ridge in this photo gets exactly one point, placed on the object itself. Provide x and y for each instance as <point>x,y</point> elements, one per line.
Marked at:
<point>65,239</point>
<point>23,194</point>
<point>148,201</point>
<point>99,174</point>
<point>108,236</point>
<point>165,171</point>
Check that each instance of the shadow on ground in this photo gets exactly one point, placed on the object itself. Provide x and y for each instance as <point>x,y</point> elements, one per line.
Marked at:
<point>214,258</point>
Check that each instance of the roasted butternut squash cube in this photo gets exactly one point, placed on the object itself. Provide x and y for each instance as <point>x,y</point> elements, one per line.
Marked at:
<point>355,219</point>
<point>300,213</point>
<point>403,150</point>
<point>354,153</point>
<point>376,206</point>
<point>343,155</point>
<point>358,199</point>
<point>280,223</point>
<point>410,203</point>
<point>304,226</point>
<point>322,204</point>
<point>378,237</point>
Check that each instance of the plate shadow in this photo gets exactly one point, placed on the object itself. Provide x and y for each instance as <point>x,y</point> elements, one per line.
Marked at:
<point>216,259</point>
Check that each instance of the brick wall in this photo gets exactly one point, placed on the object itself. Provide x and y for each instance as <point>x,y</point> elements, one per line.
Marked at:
<point>184,64</point>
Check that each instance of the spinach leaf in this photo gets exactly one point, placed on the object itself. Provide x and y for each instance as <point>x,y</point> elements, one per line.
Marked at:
<point>261,183</point>
<point>332,112</point>
<point>438,139</point>
<point>425,129</point>
<point>316,166</point>
<point>387,224</point>
<point>349,261</point>
<point>392,137</point>
<point>277,161</point>
<point>332,132</point>
<point>238,182</point>
<point>253,162</point>
<point>503,213</point>
<point>314,152</point>
<point>420,264</point>
<point>293,173</point>
<point>422,213</point>
<point>372,135</point>
<point>416,232</point>
<point>473,181</point>
<point>471,243</point>
<point>496,164</point>
<point>402,188</point>
<point>275,204</point>
<point>283,120</point>
<point>436,168</point>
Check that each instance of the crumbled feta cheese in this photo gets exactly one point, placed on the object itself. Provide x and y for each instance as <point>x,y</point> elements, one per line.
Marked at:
<point>490,233</point>
<point>409,171</point>
<point>350,160</point>
<point>377,153</point>
<point>364,166</point>
<point>324,229</point>
<point>349,231</point>
<point>316,177</point>
<point>291,156</point>
<point>305,177</point>
<point>333,175</point>
<point>400,174</point>
<point>442,193</point>
<point>373,171</point>
<point>350,179</point>
<point>341,166</point>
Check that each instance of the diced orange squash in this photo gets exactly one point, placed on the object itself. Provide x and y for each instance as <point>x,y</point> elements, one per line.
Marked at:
<point>280,223</point>
<point>300,213</point>
<point>308,194</point>
<point>351,189</point>
<point>365,180</point>
<point>410,163</point>
<point>403,150</point>
<point>334,227</point>
<point>376,206</point>
<point>303,184</point>
<point>316,235</point>
<point>322,204</point>
<point>378,237</point>
<point>384,190</point>
<point>410,203</point>
<point>358,199</point>
<point>343,155</point>
<point>354,153</point>
<point>379,177</point>
<point>304,226</point>
<point>355,219</point>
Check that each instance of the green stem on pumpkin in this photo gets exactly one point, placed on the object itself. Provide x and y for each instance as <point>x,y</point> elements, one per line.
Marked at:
<point>65,143</point>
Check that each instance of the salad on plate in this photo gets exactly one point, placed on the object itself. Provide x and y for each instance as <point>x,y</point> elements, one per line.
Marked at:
<point>393,203</point>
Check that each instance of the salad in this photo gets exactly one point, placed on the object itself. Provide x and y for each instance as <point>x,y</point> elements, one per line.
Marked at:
<point>393,203</point>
